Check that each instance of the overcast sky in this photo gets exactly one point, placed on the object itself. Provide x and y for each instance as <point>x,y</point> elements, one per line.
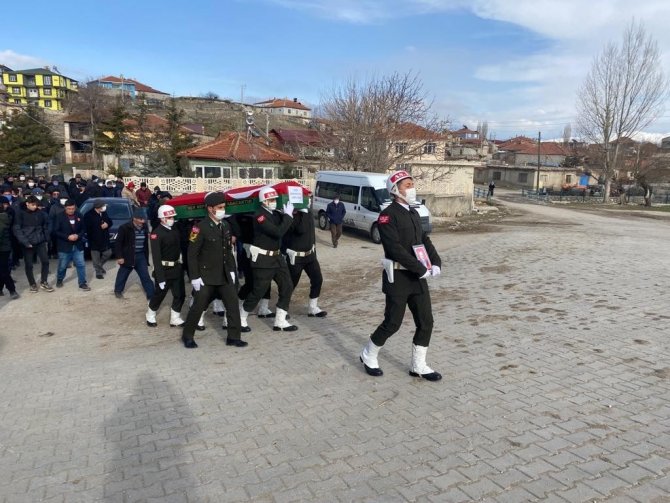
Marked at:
<point>514,63</point>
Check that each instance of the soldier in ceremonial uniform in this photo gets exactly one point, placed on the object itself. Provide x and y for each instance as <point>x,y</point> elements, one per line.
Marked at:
<point>213,271</point>
<point>300,244</point>
<point>267,262</point>
<point>404,278</point>
<point>168,272</point>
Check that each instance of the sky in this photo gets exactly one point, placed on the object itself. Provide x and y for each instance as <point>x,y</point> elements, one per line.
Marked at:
<point>516,64</point>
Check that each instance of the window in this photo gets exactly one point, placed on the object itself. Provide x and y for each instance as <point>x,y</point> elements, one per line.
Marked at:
<point>403,166</point>
<point>568,178</point>
<point>47,91</point>
<point>212,171</point>
<point>17,102</point>
<point>47,80</point>
<point>400,148</point>
<point>249,172</point>
<point>368,199</point>
<point>47,103</point>
<point>16,90</point>
<point>348,193</point>
<point>12,78</point>
<point>497,175</point>
<point>33,92</point>
<point>429,148</point>
<point>523,177</point>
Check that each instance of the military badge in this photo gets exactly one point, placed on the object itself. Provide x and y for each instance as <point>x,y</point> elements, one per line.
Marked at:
<point>195,230</point>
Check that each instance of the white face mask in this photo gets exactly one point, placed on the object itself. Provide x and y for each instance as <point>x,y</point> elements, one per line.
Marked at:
<point>103,209</point>
<point>100,184</point>
<point>336,201</point>
<point>22,178</point>
<point>62,201</point>
<point>31,184</point>
<point>39,198</point>
<point>220,214</point>
<point>169,222</point>
<point>410,195</point>
<point>272,205</point>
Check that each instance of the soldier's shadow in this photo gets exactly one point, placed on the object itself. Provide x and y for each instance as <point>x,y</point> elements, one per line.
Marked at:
<point>149,432</point>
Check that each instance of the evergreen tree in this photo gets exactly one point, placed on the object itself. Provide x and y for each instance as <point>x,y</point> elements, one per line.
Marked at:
<point>177,139</point>
<point>25,139</point>
<point>112,133</point>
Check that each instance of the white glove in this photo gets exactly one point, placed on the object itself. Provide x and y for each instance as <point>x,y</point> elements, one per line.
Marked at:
<point>425,275</point>
<point>435,270</point>
<point>304,210</point>
<point>197,283</point>
<point>161,285</point>
<point>288,209</point>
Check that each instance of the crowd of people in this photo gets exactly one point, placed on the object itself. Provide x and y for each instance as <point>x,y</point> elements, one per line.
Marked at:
<point>231,261</point>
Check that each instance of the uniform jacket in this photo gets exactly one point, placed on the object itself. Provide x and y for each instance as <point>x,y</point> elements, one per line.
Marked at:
<point>400,229</point>
<point>269,229</point>
<point>166,246</point>
<point>336,212</point>
<point>124,247</point>
<point>301,236</point>
<point>210,253</point>
<point>63,228</point>
<point>98,238</point>
<point>31,227</point>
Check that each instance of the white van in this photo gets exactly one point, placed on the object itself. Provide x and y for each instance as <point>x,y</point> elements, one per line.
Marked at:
<point>364,195</point>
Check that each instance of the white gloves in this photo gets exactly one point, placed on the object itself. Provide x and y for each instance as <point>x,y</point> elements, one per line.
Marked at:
<point>435,270</point>
<point>197,283</point>
<point>304,210</point>
<point>288,209</point>
<point>425,275</point>
<point>161,285</point>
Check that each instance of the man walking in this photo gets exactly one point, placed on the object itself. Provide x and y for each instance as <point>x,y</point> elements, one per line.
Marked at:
<point>97,224</point>
<point>168,272</point>
<point>132,250</point>
<point>410,258</point>
<point>335,212</point>
<point>31,229</point>
<point>70,239</point>
<point>213,271</point>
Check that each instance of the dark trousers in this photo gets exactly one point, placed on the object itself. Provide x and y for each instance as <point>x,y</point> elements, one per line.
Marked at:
<point>313,271</point>
<point>176,286</point>
<point>335,232</point>
<point>29,254</point>
<point>262,280</point>
<point>6,273</point>
<point>142,268</point>
<point>244,266</point>
<point>17,250</point>
<point>228,294</point>
<point>394,312</point>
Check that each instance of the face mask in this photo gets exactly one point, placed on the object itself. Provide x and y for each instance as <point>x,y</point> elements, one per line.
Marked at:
<point>336,201</point>
<point>272,206</point>
<point>55,182</point>
<point>170,222</point>
<point>104,208</point>
<point>62,201</point>
<point>410,195</point>
<point>100,184</point>
<point>22,178</point>
<point>220,214</point>
<point>31,184</point>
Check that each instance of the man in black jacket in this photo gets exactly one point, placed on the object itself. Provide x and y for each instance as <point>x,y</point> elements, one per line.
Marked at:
<point>31,229</point>
<point>70,241</point>
<point>267,262</point>
<point>132,251</point>
<point>410,258</point>
<point>301,252</point>
<point>168,272</point>
<point>211,265</point>
<point>98,223</point>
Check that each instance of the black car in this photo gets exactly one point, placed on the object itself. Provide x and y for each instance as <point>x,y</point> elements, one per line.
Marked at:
<point>119,209</point>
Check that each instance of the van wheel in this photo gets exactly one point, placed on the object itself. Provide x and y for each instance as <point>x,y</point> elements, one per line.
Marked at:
<point>375,235</point>
<point>323,221</point>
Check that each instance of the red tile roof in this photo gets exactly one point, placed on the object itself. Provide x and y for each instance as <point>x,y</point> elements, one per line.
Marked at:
<point>546,148</point>
<point>141,88</point>
<point>517,143</point>
<point>234,146</point>
<point>282,103</point>
<point>409,131</point>
<point>465,130</point>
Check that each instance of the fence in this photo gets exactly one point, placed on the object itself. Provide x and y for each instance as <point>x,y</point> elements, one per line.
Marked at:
<point>585,197</point>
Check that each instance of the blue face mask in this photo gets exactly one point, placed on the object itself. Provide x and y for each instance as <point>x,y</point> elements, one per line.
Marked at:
<point>56,182</point>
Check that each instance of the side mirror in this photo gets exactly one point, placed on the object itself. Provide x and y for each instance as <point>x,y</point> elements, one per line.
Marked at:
<point>423,201</point>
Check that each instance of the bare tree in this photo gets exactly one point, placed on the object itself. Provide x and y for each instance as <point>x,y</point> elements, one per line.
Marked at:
<point>380,122</point>
<point>622,93</point>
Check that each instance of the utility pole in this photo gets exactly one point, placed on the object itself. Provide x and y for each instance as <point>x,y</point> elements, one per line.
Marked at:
<point>242,94</point>
<point>539,142</point>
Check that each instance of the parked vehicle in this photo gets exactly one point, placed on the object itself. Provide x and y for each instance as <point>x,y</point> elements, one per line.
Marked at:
<point>364,195</point>
<point>119,209</point>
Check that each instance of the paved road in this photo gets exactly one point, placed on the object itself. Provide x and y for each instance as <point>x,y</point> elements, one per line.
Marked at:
<point>551,333</point>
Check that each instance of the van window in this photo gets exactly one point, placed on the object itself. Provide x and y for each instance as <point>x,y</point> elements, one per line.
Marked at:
<point>368,199</point>
<point>348,193</point>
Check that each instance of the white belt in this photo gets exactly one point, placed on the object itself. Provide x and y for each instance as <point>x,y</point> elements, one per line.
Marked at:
<point>255,251</point>
<point>168,263</point>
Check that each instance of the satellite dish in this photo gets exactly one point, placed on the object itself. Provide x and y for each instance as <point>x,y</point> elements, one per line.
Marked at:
<point>250,118</point>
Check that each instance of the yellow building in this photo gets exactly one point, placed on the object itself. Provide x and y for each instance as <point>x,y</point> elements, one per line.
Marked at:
<point>39,86</point>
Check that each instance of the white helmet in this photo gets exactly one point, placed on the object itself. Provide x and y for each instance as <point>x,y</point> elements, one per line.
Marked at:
<point>392,181</point>
<point>166,211</point>
<point>266,193</point>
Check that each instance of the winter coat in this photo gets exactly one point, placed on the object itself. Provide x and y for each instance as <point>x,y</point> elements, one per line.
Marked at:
<point>31,227</point>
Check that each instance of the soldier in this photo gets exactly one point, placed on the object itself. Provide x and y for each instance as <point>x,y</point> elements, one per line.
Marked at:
<point>410,258</point>
<point>267,262</point>
<point>212,268</point>
<point>168,272</point>
<point>301,251</point>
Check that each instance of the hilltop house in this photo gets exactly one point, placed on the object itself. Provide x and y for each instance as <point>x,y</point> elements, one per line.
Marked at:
<point>44,87</point>
<point>289,108</point>
<point>131,88</point>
